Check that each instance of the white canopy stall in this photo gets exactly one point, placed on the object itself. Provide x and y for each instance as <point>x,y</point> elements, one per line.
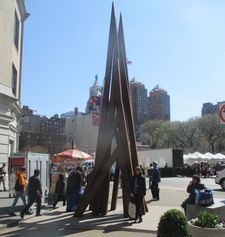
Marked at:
<point>207,157</point>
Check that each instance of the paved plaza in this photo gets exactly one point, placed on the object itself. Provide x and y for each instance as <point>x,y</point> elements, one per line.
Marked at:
<point>60,223</point>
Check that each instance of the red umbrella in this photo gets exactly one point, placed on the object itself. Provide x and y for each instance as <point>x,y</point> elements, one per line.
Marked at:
<point>71,154</point>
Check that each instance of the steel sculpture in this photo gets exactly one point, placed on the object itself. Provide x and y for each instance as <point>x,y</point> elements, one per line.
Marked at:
<point>116,139</point>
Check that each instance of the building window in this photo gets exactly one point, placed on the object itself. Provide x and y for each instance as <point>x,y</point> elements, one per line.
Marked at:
<point>14,80</point>
<point>16,31</point>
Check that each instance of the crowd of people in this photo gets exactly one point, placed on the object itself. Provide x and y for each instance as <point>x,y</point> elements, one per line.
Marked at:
<point>203,169</point>
<point>70,190</point>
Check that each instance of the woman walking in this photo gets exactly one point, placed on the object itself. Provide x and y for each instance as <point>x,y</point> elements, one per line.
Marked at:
<point>138,191</point>
<point>60,190</point>
<point>74,190</point>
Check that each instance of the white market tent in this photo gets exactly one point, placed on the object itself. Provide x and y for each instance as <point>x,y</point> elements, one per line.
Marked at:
<point>207,157</point>
<point>219,156</point>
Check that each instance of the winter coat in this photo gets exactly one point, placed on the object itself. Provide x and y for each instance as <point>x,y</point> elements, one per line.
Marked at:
<point>156,175</point>
<point>191,189</point>
<point>34,186</point>
<point>138,186</point>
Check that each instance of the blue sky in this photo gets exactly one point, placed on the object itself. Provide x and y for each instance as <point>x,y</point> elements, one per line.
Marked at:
<point>179,45</point>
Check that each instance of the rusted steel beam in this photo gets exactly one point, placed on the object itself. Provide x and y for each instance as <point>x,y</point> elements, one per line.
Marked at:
<point>115,187</point>
<point>116,124</point>
<point>93,187</point>
<point>126,93</point>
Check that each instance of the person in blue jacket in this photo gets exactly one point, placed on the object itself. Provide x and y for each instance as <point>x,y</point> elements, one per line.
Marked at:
<point>195,184</point>
<point>156,179</point>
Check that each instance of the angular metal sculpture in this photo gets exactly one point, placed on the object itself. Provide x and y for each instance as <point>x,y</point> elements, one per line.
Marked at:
<point>116,139</point>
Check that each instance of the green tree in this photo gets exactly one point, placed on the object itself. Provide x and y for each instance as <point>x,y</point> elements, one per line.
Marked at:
<point>211,131</point>
<point>151,133</point>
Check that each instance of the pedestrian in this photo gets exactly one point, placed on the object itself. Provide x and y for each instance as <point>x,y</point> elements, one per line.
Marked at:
<point>60,191</point>
<point>74,190</point>
<point>155,181</point>
<point>20,186</point>
<point>81,172</point>
<point>3,175</point>
<point>194,185</point>
<point>142,170</point>
<point>150,170</point>
<point>138,191</point>
<point>34,194</point>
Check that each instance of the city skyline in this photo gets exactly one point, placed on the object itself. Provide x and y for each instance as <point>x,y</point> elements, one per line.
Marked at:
<point>178,45</point>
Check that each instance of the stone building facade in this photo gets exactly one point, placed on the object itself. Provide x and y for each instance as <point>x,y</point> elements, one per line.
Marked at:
<point>12,16</point>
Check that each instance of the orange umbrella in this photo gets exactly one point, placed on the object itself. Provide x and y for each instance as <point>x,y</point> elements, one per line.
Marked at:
<point>72,154</point>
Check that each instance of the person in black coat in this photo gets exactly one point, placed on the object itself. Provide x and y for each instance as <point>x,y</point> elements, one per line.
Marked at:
<point>138,191</point>
<point>60,190</point>
<point>34,194</point>
<point>194,185</point>
<point>74,190</point>
<point>156,179</point>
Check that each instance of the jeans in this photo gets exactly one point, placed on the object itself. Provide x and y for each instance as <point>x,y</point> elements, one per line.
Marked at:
<point>2,180</point>
<point>34,198</point>
<point>19,194</point>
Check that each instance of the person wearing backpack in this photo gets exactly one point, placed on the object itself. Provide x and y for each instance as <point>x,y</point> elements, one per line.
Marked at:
<point>20,186</point>
<point>194,185</point>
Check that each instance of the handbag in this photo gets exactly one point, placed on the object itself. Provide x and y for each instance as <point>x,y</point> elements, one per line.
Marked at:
<point>52,197</point>
<point>204,197</point>
<point>132,210</point>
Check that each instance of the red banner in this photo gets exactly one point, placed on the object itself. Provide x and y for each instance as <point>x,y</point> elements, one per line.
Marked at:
<point>17,161</point>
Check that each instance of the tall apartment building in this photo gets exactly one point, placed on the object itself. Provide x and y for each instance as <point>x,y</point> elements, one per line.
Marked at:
<point>95,97</point>
<point>139,100</point>
<point>47,133</point>
<point>209,108</point>
<point>159,104</point>
<point>12,16</point>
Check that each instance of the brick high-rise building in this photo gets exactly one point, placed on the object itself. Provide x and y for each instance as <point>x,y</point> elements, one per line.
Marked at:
<point>159,104</point>
<point>12,16</point>
<point>41,131</point>
<point>139,97</point>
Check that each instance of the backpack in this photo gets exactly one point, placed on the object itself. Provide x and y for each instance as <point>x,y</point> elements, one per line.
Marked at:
<point>204,197</point>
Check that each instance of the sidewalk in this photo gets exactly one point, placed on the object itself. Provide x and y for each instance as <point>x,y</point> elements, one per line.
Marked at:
<point>114,220</point>
<point>5,204</point>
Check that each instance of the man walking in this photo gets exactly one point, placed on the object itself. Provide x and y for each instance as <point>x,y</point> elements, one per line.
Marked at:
<point>20,186</point>
<point>2,175</point>
<point>34,194</point>
<point>155,181</point>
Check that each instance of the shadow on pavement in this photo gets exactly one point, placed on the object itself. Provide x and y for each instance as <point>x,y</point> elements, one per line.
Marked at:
<point>58,223</point>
